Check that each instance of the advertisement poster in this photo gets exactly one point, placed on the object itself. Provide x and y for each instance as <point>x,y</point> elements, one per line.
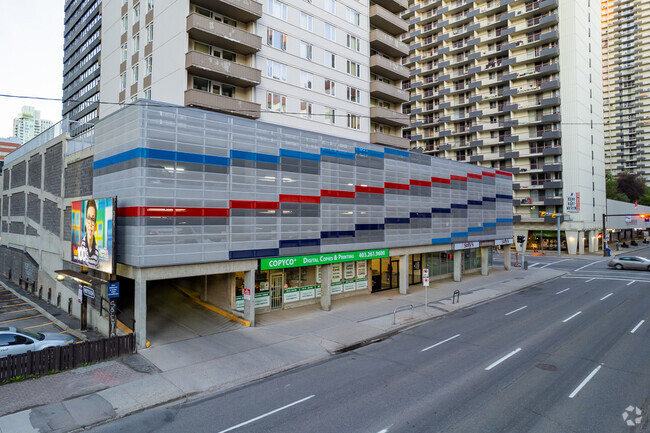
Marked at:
<point>349,286</point>
<point>362,269</point>
<point>337,288</point>
<point>92,233</point>
<point>362,284</point>
<point>337,272</point>
<point>348,272</point>
<point>262,300</point>
<point>292,295</point>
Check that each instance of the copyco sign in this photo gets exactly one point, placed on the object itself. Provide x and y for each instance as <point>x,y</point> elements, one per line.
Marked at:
<point>321,259</point>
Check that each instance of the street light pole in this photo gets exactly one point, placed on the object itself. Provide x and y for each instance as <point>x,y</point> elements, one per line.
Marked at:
<point>604,236</point>
<point>559,252</point>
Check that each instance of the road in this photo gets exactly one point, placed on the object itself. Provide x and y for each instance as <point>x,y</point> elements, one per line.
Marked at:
<point>569,355</point>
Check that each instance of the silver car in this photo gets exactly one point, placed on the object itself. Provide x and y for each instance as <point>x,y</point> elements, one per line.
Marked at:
<point>630,262</point>
<point>14,341</point>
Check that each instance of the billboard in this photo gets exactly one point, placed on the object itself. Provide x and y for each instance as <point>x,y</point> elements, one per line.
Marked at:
<point>93,233</point>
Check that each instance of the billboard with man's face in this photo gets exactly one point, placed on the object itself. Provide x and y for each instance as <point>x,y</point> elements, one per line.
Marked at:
<point>92,233</point>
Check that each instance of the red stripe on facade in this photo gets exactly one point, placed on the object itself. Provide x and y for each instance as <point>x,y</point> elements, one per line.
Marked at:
<point>440,180</point>
<point>288,198</point>
<point>461,178</point>
<point>334,193</point>
<point>488,174</point>
<point>474,176</point>
<point>396,186</point>
<point>246,204</point>
<point>369,189</point>
<point>145,211</point>
<point>504,173</point>
<point>419,182</point>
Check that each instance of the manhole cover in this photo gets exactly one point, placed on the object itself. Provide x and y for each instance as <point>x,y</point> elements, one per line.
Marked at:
<point>547,367</point>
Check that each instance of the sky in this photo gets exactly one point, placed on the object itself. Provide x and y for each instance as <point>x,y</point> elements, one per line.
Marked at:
<point>31,49</point>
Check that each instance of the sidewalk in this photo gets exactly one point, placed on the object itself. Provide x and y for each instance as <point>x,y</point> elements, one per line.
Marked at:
<point>281,341</point>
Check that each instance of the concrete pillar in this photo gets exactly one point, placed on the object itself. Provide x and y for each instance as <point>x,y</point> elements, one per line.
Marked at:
<point>326,287</point>
<point>249,306</point>
<point>458,265</point>
<point>485,267</point>
<point>140,310</point>
<point>506,257</point>
<point>571,241</point>
<point>581,242</point>
<point>204,289</point>
<point>404,274</point>
<point>593,241</point>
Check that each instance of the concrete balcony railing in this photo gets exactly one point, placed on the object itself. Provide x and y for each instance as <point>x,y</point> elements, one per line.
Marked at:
<point>380,65</point>
<point>241,10</point>
<point>389,117</point>
<point>204,29</point>
<point>387,21</point>
<point>395,6</point>
<point>389,140</point>
<point>224,104</point>
<point>215,68</point>
<point>387,44</point>
<point>388,92</point>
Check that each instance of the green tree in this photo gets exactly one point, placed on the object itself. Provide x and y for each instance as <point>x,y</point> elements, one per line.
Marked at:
<point>632,185</point>
<point>611,187</point>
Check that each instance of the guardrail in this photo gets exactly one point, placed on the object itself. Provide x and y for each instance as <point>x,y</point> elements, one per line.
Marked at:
<point>403,307</point>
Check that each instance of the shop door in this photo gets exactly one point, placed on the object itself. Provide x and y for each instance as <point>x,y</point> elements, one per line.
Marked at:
<point>276,291</point>
<point>394,275</point>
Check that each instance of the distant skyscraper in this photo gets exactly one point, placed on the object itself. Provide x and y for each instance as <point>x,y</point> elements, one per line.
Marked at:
<point>29,124</point>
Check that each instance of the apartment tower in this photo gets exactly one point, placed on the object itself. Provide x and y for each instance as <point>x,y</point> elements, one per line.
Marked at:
<point>515,85</point>
<point>626,58</point>
<point>331,66</point>
<point>29,124</point>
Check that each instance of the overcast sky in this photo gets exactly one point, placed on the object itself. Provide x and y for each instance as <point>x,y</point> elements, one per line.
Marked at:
<point>31,49</point>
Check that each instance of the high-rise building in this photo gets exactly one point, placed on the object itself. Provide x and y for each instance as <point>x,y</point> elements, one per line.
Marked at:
<point>626,58</point>
<point>29,124</point>
<point>514,85</point>
<point>81,55</point>
<point>321,65</point>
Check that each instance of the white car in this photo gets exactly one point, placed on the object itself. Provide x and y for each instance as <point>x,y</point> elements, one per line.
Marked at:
<point>14,341</point>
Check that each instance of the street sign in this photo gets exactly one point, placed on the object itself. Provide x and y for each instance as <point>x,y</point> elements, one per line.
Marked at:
<point>114,290</point>
<point>425,272</point>
<point>425,281</point>
<point>89,292</point>
<point>247,294</point>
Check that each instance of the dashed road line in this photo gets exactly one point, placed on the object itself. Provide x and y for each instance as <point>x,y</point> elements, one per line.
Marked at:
<point>266,414</point>
<point>637,327</point>
<point>562,291</point>
<point>439,343</point>
<point>630,282</point>
<point>576,270</point>
<point>569,318</point>
<point>499,361</point>
<point>606,296</point>
<point>584,382</point>
<point>518,309</point>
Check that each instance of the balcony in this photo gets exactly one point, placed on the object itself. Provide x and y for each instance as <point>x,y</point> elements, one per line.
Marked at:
<point>224,104</point>
<point>389,117</point>
<point>388,92</point>
<point>218,69</point>
<point>389,140</point>
<point>225,36</point>
<point>387,21</point>
<point>387,68</point>
<point>241,10</point>
<point>387,44</point>
<point>395,6</point>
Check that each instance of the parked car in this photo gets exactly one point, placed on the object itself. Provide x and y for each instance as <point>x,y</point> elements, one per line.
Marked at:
<point>14,341</point>
<point>630,262</point>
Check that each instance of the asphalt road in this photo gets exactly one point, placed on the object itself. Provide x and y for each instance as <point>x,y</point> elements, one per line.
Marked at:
<point>569,355</point>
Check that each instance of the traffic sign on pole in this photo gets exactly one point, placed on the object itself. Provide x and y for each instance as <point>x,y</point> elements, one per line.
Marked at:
<point>425,272</point>
<point>425,281</point>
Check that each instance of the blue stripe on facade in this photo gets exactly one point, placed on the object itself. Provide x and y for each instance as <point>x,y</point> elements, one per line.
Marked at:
<point>420,215</point>
<point>458,206</point>
<point>440,210</point>
<point>459,234</point>
<point>165,155</point>
<point>489,224</point>
<point>253,156</point>
<point>390,151</point>
<point>292,243</point>
<point>299,155</point>
<point>437,241</point>
<point>507,197</point>
<point>337,154</point>
<point>489,199</point>
<point>505,220</point>
<point>368,152</point>
<point>397,220</point>
<point>337,234</point>
<point>475,202</point>
<point>254,254</point>
<point>475,229</point>
<point>120,157</point>
<point>360,227</point>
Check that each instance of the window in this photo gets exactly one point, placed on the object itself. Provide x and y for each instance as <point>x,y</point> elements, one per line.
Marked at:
<point>125,23</point>
<point>136,13</point>
<point>276,39</point>
<point>150,33</point>
<point>354,95</point>
<point>136,74</point>
<point>330,59</point>
<point>149,5</point>
<point>330,87</point>
<point>278,9</point>
<point>354,68</point>
<point>330,32</point>
<point>306,21</point>
<point>330,115</point>
<point>330,6</point>
<point>306,79</point>
<point>352,16</point>
<point>354,43</point>
<point>276,102</point>
<point>123,81</point>
<point>136,43</point>
<point>213,86</point>
<point>124,52</point>
<point>148,62</point>
<point>354,121</point>
<point>305,109</point>
<point>147,93</point>
<point>305,50</point>
<point>276,70</point>
<point>134,99</point>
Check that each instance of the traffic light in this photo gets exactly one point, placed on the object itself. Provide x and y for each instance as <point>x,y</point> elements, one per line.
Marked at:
<point>642,216</point>
<point>520,239</point>
<point>542,213</point>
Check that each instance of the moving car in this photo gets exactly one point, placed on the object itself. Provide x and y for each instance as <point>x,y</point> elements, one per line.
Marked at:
<point>630,262</point>
<point>14,341</point>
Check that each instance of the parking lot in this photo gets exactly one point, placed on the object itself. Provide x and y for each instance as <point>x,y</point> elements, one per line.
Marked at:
<point>16,312</point>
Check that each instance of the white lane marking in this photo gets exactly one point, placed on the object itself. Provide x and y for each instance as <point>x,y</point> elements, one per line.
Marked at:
<point>584,382</point>
<point>630,282</point>
<point>637,327</point>
<point>589,280</point>
<point>495,363</point>
<point>518,309</point>
<point>552,263</point>
<point>562,291</point>
<point>569,318</point>
<point>605,278</point>
<point>532,265</point>
<point>576,270</point>
<point>439,343</point>
<point>266,414</point>
<point>385,430</point>
<point>606,296</point>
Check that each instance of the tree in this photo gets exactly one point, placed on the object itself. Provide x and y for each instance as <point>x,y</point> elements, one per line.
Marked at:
<point>611,187</point>
<point>631,185</point>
